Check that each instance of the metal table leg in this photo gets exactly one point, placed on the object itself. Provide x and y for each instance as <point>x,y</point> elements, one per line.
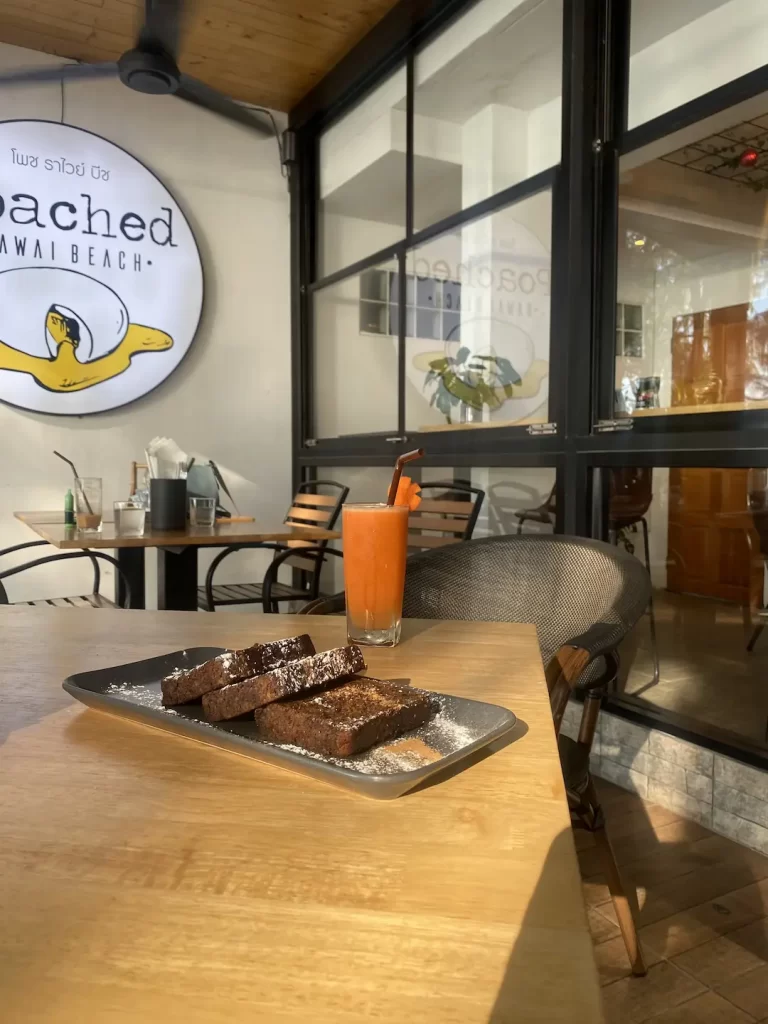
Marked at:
<point>177,579</point>
<point>131,561</point>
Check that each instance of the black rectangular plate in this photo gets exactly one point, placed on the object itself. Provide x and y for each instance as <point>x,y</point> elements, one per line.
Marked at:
<point>459,730</point>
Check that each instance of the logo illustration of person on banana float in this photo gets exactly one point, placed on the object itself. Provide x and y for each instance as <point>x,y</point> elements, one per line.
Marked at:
<point>67,330</point>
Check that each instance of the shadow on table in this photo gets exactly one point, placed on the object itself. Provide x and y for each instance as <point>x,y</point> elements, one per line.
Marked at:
<point>29,711</point>
<point>552,949</point>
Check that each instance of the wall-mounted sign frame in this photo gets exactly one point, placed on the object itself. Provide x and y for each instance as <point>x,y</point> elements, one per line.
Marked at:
<point>101,281</point>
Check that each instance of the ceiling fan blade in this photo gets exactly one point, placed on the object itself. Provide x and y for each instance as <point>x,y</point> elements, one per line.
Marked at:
<point>162,28</point>
<point>61,72</point>
<point>202,95</point>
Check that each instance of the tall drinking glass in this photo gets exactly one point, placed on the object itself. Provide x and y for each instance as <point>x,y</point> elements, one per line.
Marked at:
<point>88,503</point>
<point>375,546</point>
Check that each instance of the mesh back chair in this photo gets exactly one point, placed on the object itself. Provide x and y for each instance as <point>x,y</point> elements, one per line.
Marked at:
<point>316,503</point>
<point>584,596</point>
<point>93,600</point>
<point>448,513</point>
<point>631,494</point>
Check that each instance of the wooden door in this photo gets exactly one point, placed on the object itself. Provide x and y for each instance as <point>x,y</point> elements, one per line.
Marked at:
<point>708,549</point>
<point>709,356</point>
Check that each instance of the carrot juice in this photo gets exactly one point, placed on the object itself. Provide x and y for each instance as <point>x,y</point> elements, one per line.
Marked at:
<point>375,546</point>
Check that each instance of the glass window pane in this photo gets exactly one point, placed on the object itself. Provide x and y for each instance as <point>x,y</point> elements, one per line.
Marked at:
<point>684,49</point>
<point>516,499</point>
<point>488,363</point>
<point>355,357</point>
<point>707,535</point>
<point>633,344</point>
<point>487,104</point>
<point>361,171</point>
<point>374,284</point>
<point>633,318</point>
<point>693,268</point>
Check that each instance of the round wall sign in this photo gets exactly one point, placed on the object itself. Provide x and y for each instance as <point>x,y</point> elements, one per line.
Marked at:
<point>101,283</point>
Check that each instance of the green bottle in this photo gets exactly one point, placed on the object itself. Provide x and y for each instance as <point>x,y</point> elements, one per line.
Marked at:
<point>69,509</point>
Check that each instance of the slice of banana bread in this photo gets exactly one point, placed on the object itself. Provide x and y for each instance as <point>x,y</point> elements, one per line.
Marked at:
<point>183,686</point>
<point>347,719</point>
<point>306,674</point>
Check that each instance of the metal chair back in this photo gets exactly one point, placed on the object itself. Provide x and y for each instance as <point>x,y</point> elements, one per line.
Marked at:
<point>95,600</point>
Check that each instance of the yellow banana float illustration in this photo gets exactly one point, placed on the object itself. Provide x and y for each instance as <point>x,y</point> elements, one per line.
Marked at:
<point>74,346</point>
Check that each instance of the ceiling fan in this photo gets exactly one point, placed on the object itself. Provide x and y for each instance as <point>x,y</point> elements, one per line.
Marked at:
<point>150,67</point>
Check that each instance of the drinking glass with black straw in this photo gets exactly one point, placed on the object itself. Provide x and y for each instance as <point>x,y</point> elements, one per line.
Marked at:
<point>77,477</point>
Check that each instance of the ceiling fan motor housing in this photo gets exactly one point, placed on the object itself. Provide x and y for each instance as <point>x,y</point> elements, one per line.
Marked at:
<point>153,73</point>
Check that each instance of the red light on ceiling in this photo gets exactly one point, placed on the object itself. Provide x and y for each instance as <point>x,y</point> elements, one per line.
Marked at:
<point>748,158</point>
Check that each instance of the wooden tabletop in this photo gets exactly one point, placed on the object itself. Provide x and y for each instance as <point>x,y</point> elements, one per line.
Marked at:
<point>151,878</point>
<point>50,526</point>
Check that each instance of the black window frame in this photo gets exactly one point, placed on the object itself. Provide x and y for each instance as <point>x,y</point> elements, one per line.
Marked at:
<point>595,94</point>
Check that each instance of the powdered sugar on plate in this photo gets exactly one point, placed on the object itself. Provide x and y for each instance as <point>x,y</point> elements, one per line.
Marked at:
<point>438,738</point>
<point>137,693</point>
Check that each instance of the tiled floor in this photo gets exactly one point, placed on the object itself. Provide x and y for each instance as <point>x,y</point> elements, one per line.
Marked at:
<point>701,643</point>
<point>703,919</point>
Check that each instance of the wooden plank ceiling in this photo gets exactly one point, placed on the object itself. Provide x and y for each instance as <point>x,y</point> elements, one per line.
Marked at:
<point>269,52</point>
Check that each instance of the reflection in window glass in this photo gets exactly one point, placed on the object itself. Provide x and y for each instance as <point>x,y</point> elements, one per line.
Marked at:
<point>479,356</point>
<point>515,500</point>
<point>487,104</point>
<point>361,191</point>
<point>707,540</point>
<point>684,49</point>
<point>692,312</point>
<point>432,306</point>
<point>354,358</point>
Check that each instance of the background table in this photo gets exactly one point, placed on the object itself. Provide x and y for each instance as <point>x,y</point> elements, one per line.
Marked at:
<point>145,877</point>
<point>176,551</point>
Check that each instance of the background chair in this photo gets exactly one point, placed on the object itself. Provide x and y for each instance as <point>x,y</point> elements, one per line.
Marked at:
<point>447,514</point>
<point>630,497</point>
<point>544,513</point>
<point>584,596</point>
<point>316,503</point>
<point>93,600</point>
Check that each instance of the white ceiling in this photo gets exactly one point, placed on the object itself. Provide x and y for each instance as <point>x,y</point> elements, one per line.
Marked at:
<point>654,19</point>
<point>517,63</point>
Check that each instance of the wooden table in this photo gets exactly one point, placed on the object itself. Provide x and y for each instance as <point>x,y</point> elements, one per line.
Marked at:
<point>145,877</point>
<point>176,551</point>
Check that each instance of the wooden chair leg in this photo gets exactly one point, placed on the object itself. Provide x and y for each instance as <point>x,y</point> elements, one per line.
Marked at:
<point>755,636</point>
<point>621,900</point>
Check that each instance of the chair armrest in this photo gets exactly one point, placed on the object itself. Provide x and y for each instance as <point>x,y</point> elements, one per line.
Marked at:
<point>598,639</point>
<point>569,664</point>
<point>270,576</point>
<point>21,547</point>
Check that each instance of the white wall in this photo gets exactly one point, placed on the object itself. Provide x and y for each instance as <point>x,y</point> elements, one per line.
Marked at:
<point>230,399</point>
